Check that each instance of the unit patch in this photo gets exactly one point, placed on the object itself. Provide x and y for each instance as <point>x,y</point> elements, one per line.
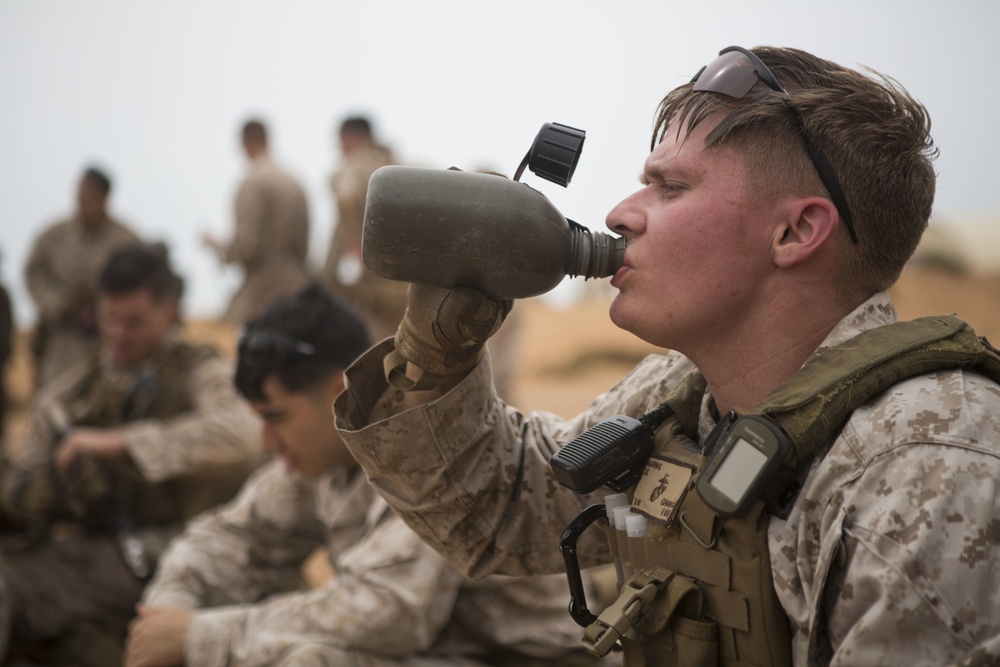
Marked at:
<point>661,488</point>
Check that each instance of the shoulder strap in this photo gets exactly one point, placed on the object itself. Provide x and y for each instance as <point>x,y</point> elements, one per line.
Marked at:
<point>684,402</point>
<point>814,402</point>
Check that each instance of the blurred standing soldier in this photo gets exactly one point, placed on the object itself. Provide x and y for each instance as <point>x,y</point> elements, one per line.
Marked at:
<point>271,237</point>
<point>381,302</point>
<point>124,447</point>
<point>6,347</point>
<point>61,275</point>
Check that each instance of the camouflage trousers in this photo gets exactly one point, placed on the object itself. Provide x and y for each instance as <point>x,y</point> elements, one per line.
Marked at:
<point>50,590</point>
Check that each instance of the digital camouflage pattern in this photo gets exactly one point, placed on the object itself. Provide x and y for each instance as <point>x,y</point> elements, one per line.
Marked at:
<point>392,600</point>
<point>187,433</point>
<point>270,241</point>
<point>61,275</point>
<point>890,554</point>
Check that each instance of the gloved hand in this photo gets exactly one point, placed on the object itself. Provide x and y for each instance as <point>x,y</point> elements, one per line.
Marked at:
<point>443,333</point>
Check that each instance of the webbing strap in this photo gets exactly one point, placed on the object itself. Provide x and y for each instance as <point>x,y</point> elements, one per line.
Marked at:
<point>728,608</point>
<point>811,404</point>
<point>700,520</point>
<point>394,366</point>
<point>685,402</point>
<point>691,560</point>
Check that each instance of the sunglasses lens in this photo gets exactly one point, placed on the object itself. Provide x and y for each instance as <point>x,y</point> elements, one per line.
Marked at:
<point>260,352</point>
<point>268,351</point>
<point>731,74</point>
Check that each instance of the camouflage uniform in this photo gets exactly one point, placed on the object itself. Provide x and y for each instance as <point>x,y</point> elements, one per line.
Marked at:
<point>191,442</point>
<point>380,301</point>
<point>271,240</point>
<point>890,554</point>
<point>61,276</point>
<point>392,601</point>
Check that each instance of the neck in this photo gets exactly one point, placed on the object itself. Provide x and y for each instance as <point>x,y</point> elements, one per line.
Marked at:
<point>94,222</point>
<point>256,152</point>
<point>762,355</point>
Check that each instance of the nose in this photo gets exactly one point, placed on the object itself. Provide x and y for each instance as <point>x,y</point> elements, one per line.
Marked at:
<point>627,218</point>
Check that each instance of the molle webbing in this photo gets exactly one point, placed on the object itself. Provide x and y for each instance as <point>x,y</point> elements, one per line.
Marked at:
<point>816,400</point>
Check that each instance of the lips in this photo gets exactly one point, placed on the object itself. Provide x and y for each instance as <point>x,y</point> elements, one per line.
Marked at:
<point>620,273</point>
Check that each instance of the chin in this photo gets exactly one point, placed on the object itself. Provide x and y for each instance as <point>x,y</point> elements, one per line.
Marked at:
<point>636,322</point>
<point>618,313</point>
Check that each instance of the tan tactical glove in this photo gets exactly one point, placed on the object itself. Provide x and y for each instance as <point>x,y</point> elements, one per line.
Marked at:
<point>443,333</point>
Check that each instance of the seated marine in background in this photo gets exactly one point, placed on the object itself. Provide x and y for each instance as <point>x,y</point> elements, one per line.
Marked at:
<point>230,590</point>
<point>124,447</point>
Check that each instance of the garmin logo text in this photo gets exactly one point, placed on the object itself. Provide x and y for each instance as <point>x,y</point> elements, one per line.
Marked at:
<point>758,440</point>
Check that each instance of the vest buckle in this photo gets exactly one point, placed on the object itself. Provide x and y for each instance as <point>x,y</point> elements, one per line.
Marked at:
<point>615,621</point>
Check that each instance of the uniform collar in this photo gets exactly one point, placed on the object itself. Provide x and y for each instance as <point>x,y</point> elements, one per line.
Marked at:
<point>877,311</point>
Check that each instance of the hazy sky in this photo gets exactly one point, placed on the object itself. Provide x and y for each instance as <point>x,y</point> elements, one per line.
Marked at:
<point>156,92</point>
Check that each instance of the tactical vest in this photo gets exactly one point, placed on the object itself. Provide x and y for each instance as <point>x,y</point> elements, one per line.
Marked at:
<point>703,593</point>
<point>111,496</point>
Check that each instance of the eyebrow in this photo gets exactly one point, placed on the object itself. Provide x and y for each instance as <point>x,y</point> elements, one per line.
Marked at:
<point>662,174</point>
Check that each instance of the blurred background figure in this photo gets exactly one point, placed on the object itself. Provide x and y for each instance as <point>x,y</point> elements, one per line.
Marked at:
<point>271,236</point>
<point>6,347</point>
<point>381,302</point>
<point>61,276</point>
<point>124,446</point>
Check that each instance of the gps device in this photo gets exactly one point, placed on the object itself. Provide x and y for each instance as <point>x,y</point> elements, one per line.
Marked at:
<point>739,471</point>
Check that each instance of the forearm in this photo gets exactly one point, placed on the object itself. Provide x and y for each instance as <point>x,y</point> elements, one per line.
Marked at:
<point>27,485</point>
<point>221,431</point>
<point>467,466</point>
<point>396,608</point>
<point>51,298</point>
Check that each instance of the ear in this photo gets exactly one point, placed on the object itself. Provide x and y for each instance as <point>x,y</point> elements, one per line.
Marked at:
<point>808,227</point>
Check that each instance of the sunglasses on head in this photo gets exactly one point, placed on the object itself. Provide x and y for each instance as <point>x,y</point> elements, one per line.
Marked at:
<point>734,73</point>
<point>271,350</point>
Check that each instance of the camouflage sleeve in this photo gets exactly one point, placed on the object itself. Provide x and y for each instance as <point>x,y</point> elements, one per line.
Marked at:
<point>220,431</point>
<point>392,596</point>
<point>250,242</point>
<point>31,492</point>
<point>244,551</point>
<point>471,474</point>
<point>917,577</point>
<point>27,485</point>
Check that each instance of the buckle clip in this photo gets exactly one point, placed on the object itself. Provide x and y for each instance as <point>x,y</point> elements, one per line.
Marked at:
<point>616,621</point>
